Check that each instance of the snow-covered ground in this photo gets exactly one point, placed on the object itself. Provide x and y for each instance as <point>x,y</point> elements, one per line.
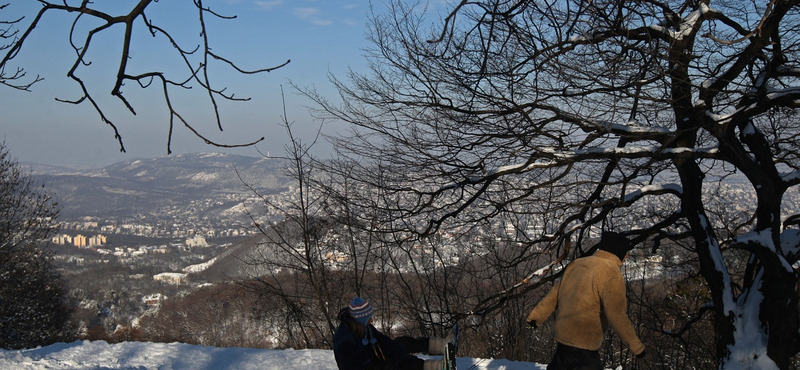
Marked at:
<point>100,355</point>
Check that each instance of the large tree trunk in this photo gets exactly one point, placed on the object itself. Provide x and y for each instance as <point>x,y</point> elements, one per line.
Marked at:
<point>779,314</point>
<point>758,328</point>
<point>711,267</point>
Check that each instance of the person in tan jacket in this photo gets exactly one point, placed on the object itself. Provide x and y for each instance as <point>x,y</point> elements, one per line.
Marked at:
<point>589,297</point>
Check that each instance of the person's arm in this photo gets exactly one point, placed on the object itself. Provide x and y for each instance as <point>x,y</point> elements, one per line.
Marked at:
<point>544,308</point>
<point>615,307</point>
<point>390,348</point>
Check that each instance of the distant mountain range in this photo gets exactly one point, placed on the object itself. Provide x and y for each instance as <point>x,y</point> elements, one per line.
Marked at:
<point>145,188</point>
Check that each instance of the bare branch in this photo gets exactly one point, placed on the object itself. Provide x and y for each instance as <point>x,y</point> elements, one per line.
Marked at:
<point>198,73</point>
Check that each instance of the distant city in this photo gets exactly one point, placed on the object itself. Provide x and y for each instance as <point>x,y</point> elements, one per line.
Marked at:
<point>193,237</point>
<point>188,203</point>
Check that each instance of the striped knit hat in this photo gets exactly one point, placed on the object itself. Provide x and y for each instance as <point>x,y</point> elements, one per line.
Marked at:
<point>360,310</point>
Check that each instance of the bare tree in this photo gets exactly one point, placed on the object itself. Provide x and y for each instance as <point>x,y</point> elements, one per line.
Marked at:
<point>320,254</point>
<point>562,118</point>
<point>290,269</point>
<point>94,19</point>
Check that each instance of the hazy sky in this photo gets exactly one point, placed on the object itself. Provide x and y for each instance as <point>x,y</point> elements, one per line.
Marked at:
<point>319,36</point>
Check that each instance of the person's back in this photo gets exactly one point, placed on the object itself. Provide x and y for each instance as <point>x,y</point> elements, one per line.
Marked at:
<point>348,351</point>
<point>592,295</point>
<point>589,297</point>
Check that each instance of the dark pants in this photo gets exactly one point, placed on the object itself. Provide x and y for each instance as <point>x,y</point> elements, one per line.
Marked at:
<point>411,345</point>
<point>571,358</point>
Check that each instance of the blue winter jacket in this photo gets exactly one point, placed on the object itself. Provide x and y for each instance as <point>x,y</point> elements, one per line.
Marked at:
<point>353,353</point>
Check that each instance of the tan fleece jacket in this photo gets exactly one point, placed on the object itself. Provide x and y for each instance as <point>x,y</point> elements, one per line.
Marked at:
<point>589,297</point>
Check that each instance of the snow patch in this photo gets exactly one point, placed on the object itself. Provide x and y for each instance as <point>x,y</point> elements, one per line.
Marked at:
<point>633,127</point>
<point>687,24</point>
<point>211,155</point>
<point>791,176</point>
<point>205,177</point>
<point>86,355</point>
<point>653,189</point>
<point>749,352</point>
<point>764,238</point>
<point>200,267</point>
<point>238,209</point>
<point>729,304</point>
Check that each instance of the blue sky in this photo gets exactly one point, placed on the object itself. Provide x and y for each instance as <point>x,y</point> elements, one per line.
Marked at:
<point>319,36</point>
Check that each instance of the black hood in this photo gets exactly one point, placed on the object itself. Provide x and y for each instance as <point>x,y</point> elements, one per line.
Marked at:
<point>344,315</point>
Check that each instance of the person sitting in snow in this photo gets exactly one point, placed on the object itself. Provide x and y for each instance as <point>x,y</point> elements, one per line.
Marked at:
<point>589,298</point>
<point>358,345</point>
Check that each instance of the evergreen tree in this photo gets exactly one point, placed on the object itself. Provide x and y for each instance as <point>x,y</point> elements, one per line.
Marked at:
<point>33,309</point>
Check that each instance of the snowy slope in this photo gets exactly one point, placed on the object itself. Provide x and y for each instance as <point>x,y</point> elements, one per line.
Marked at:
<point>177,356</point>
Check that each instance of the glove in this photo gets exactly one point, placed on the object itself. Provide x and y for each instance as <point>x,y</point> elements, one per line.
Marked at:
<point>533,324</point>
